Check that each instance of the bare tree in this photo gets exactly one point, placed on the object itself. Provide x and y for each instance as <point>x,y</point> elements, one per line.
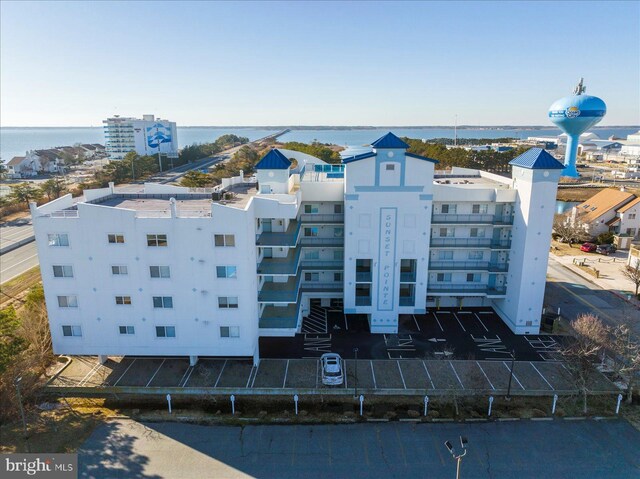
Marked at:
<point>581,351</point>
<point>570,230</point>
<point>632,274</point>
<point>626,355</point>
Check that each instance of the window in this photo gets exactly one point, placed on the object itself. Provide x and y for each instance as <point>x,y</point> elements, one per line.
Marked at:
<point>123,300</point>
<point>363,295</point>
<point>337,209</point>
<point>338,232</point>
<point>407,295</point>
<point>115,238</point>
<point>337,277</point>
<point>449,209</point>
<point>311,231</point>
<point>58,239</point>
<point>226,271</point>
<point>447,232</point>
<point>165,331</point>
<point>312,254</point>
<point>338,254</point>
<point>444,277</point>
<point>476,233</point>
<point>228,302</point>
<point>119,270</point>
<point>156,240</point>
<point>229,332</point>
<point>473,277</point>
<point>160,271</point>
<point>476,255</point>
<point>165,302</point>
<point>63,271</point>
<point>444,255</point>
<point>310,209</point>
<point>390,167</point>
<point>312,276</point>
<point>68,301</point>
<point>225,240</point>
<point>479,209</point>
<point>127,330</point>
<point>631,231</point>
<point>632,216</point>
<point>72,331</point>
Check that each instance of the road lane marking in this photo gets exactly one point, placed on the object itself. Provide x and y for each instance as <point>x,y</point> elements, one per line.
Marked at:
<point>441,328</point>
<point>513,374</point>
<point>255,374</point>
<point>375,384</point>
<point>286,371</point>
<point>416,321</point>
<point>485,375</point>
<point>125,372</point>
<point>184,384</point>
<point>584,300</point>
<point>401,375</point>
<point>456,373</point>
<point>91,372</point>
<point>478,318</point>
<point>545,379</point>
<point>457,319</point>
<point>154,374</point>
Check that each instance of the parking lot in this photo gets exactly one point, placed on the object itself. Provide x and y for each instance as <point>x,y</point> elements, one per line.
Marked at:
<point>286,376</point>
<point>470,333</point>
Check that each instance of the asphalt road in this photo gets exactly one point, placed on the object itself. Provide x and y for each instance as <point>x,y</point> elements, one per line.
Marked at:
<point>18,261</point>
<point>15,231</point>
<point>522,449</point>
<point>575,295</point>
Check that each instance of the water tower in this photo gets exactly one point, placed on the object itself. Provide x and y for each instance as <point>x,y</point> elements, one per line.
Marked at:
<point>574,115</point>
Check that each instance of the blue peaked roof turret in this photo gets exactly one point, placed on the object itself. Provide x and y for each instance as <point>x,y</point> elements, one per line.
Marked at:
<point>390,141</point>
<point>537,159</point>
<point>274,160</point>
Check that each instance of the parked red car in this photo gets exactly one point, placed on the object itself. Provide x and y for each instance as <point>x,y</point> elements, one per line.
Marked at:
<point>588,247</point>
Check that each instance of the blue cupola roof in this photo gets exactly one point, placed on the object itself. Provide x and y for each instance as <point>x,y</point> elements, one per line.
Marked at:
<point>390,141</point>
<point>274,160</point>
<point>537,159</point>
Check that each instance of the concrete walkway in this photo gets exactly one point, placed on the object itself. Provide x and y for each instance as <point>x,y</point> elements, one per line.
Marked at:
<point>611,277</point>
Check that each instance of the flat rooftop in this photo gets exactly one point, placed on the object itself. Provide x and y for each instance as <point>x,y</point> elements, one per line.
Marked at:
<point>188,204</point>
<point>470,180</point>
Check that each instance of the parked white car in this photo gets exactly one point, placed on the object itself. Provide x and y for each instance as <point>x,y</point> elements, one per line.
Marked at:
<point>332,374</point>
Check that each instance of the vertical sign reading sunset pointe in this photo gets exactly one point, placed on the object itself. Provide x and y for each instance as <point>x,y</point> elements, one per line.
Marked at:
<point>387,258</point>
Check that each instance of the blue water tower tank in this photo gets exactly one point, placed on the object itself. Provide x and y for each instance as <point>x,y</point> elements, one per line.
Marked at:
<point>574,115</point>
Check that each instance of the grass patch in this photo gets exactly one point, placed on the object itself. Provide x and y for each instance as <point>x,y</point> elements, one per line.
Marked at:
<point>16,287</point>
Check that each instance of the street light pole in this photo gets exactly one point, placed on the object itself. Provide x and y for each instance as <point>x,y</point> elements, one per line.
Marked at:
<point>16,383</point>
<point>355,350</point>
<point>513,360</point>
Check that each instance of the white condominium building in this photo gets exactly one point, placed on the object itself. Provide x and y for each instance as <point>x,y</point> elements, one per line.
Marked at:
<point>172,271</point>
<point>146,137</point>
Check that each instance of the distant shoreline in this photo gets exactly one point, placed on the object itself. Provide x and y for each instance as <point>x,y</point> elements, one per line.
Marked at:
<point>325,127</point>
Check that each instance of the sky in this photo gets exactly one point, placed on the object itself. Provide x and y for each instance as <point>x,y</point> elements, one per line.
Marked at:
<point>306,63</point>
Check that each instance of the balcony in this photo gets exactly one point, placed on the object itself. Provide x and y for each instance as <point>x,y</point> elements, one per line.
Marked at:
<point>322,265</point>
<point>468,266</point>
<point>287,265</point>
<point>465,289</point>
<point>477,219</point>
<point>321,286</point>
<point>312,218</point>
<point>286,292</point>
<point>319,241</point>
<point>470,243</point>
<point>286,238</point>
<point>279,317</point>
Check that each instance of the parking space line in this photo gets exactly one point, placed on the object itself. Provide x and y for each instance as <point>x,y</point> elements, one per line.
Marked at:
<point>89,375</point>
<point>401,375</point>
<point>317,371</point>
<point>253,369</point>
<point>184,384</point>
<point>428,375</point>
<point>545,379</point>
<point>255,374</point>
<point>286,371</point>
<point>183,376</point>
<point>220,375</point>
<point>438,321</point>
<point>478,318</point>
<point>456,373</point>
<point>345,374</point>
<point>375,384</point>
<point>513,374</point>
<point>485,375</point>
<point>458,319</point>
<point>346,322</point>
<point>125,372</point>
<point>154,374</point>
<point>416,321</point>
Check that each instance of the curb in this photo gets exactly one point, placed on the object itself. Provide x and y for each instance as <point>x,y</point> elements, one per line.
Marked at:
<point>476,419</point>
<point>605,418</point>
<point>409,420</point>
<point>508,419</point>
<point>377,420</point>
<point>57,373</point>
<point>575,418</point>
<point>541,419</point>
<point>440,419</point>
